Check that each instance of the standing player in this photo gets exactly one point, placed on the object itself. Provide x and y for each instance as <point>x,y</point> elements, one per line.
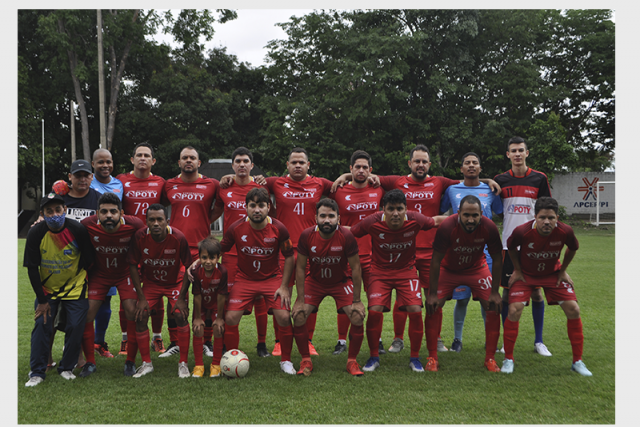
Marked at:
<point>142,189</point>
<point>458,259</point>
<point>331,251</point>
<point>393,240</point>
<point>521,186</point>
<point>258,239</point>
<point>490,203</point>
<point>534,249</point>
<point>357,200</point>
<point>232,200</point>
<point>111,232</point>
<point>82,200</point>
<point>161,251</point>
<point>191,196</point>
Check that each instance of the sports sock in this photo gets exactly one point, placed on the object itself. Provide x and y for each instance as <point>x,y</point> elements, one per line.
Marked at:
<point>311,324</point>
<point>373,332</point>
<point>576,337</point>
<point>416,331</point>
<point>260,307</point>
<point>537,310</point>
<point>173,330</point>
<point>510,335</point>
<point>184,335</point>
<point>286,342</point>
<point>218,344</point>
<point>343,326</point>
<point>355,341</point>
<point>143,345</point>
<point>231,337</point>
<point>492,333</point>
<point>197,350</point>
<point>157,319</point>
<point>132,344</point>
<point>431,323</point>
<point>459,314</point>
<point>301,335</point>
<point>102,320</point>
<point>399,322</point>
<point>87,343</point>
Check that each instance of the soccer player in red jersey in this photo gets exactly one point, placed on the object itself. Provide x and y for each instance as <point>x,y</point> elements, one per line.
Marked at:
<point>334,270</point>
<point>258,239</point>
<point>111,232</point>
<point>357,200</point>
<point>142,189</point>
<point>161,251</point>
<point>458,259</point>
<point>209,297</point>
<point>296,196</point>
<point>232,200</point>
<point>534,248</point>
<point>393,248</point>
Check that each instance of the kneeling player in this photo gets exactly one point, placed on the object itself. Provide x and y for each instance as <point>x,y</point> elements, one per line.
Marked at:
<point>534,249</point>
<point>458,259</point>
<point>331,250</point>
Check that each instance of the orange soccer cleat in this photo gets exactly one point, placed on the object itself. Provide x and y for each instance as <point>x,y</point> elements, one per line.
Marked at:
<point>432,364</point>
<point>354,369</point>
<point>492,366</point>
<point>305,368</point>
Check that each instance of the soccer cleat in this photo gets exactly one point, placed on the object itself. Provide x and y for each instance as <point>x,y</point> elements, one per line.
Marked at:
<point>276,349</point>
<point>67,375</point>
<point>581,368</point>
<point>456,345</point>
<point>88,369</point>
<point>287,367</point>
<point>507,366</point>
<point>207,349</point>
<point>339,348</point>
<point>441,346</point>
<point>432,364</point>
<point>129,368</point>
<point>198,371</point>
<point>171,350</point>
<point>415,365</point>
<point>157,345</point>
<point>33,381</point>
<point>312,349</point>
<point>396,346</point>
<point>492,366</point>
<point>381,349</point>
<point>123,347</point>
<point>183,370</point>
<point>214,371</point>
<point>144,369</point>
<point>262,350</point>
<point>102,349</point>
<point>305,368</point>
<point>372,364</point>
<point>541,349</point>
<point>354,369</point>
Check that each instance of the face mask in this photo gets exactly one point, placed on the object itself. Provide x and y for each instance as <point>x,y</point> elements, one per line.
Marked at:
<point>55,222</point>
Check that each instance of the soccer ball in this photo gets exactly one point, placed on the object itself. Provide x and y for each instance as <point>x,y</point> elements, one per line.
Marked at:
<point>60,187</point>
<point>234,364</point>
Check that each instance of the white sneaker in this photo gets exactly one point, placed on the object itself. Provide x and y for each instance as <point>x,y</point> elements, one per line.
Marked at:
<point>67,375</point>
<point>144,369</point>
<point>170,351</point>
<point>34,381</point>
<point>183,370</point>
<point>287,368</point>
<point>541,349</point>
<point>507,366</point>
<point>396,346</point>
<point>207,350</point>
<point>581,368</point>
<point>441,346</point>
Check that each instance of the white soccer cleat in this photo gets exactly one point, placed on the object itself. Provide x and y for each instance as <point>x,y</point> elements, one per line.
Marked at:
<point>581,368</point>
<point>183,370</point>
<point>34,381</point>
<point>170,351</point>
<point>67,375</point>
<point>287,368</point>
<point>541,349</point>
<point>144,369</point>
<point>507,366</point>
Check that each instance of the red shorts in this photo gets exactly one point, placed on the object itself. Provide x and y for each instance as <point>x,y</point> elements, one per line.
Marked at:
<point>403,281</point>
<point>154,293</point>
<point>315,292</point>
<point>242,294</point>
<point>521,291</point>
<point>98,289</point>
<point>478,279</point>
<point>292,281</point>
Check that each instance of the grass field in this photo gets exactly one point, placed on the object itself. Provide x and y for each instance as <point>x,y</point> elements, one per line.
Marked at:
<point>540,391</point>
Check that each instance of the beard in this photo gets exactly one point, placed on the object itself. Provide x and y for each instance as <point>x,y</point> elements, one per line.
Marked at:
<point>328,228</point>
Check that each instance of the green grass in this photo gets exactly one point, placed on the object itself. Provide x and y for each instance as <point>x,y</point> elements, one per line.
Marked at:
<point>540,391</point>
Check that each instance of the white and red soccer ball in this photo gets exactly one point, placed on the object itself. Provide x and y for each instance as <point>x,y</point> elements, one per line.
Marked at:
<point>234,364</point>
<point>60,187</point>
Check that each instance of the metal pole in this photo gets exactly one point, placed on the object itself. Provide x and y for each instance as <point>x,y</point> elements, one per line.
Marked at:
<point>103,135</point>
<point>42,191</point>
<point>72,127</point>
<point>597,204</point>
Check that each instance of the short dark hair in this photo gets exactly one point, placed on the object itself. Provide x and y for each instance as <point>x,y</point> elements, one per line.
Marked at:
<point>470,199</point>
<point>110,199</point>
<point>258,195</point>
<point>360,154</point>
<point>158,207</point>
<point>517,140</point>
<point>419,147</point>
<point>241,151</point>
<point>188,147</point>
<point>394,196</point>
<point>143,144</point>
<point>471,153</point>
<point>210,245</point>
<point>299,150</point>
<point>329,203</point>
<point>546,203</point>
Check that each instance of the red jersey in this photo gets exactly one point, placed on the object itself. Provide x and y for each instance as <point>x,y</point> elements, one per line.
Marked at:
<point>328,258</point>
<point>466,250</point>
<point>160,262</point>
<point>540,255</point>
<point>209,287</point>
<point>139,194</point>
<point>392,250</point>
<point>111,248</point>
<point>296,201</point>
<point>355,204</point>
<point>233,198</point>
<point>191,206</point>
<point>422,196</point>
<point>258,249</point>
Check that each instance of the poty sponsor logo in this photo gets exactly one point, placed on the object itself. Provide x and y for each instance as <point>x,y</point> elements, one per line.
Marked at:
<point>237,205</point>
<point>364,206</point>
<point>141,194</point>
<point>519,209</point>
<point>257,250</point>
<point>419,195</point>
<point>395,246</point>
<point>169,251</point>
<point>188,196</point>
<point>326,260</point>
<point>468,249</point>
<point>409,234</point>
<point>336,248</point>
<point>160,262</point>
<point>544,255</point>
<point>298,194</point>
<point>112,249</point>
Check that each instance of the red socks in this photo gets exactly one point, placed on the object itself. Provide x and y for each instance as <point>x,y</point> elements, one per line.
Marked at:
<point>416,331</point>
<point>576,337</point>
<point>399,321</point>
<point>510,335</point>
<point>88,337</point>
<point>374,329</point>
<point>492,334</point>
<point>357,336</point>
